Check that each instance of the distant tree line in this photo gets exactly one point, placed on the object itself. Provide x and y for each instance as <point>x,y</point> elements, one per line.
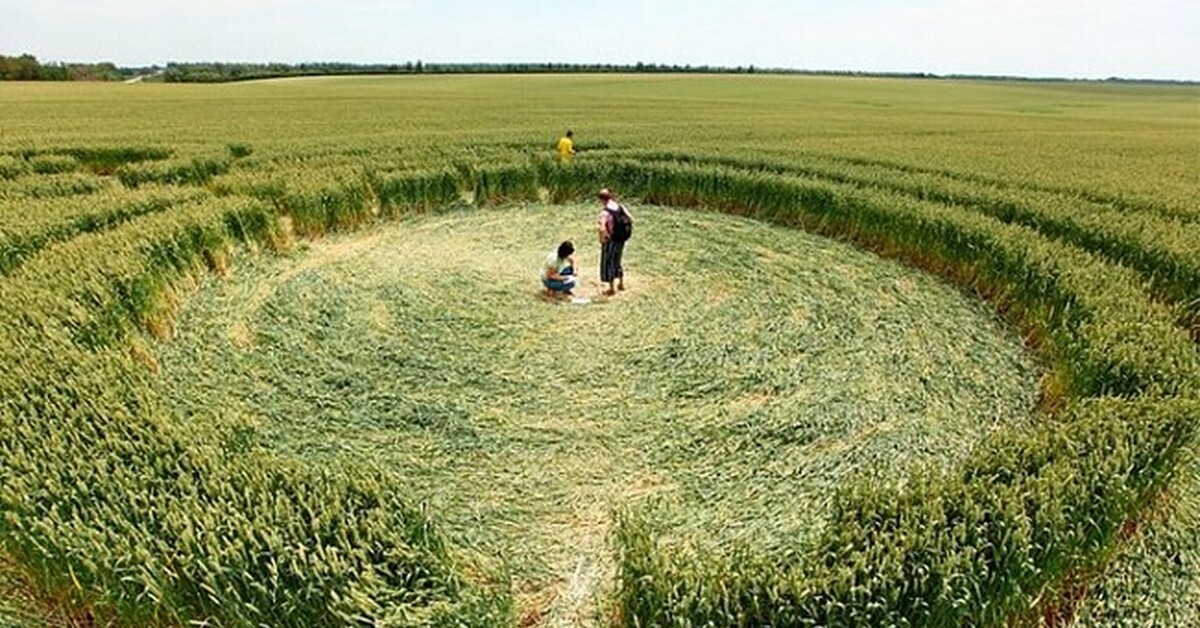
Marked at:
<point>26,67</point>
<point>223,72</point>
<point>226,72</point>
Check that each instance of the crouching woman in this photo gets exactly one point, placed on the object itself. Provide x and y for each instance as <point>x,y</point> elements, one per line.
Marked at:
<point>558,272</point>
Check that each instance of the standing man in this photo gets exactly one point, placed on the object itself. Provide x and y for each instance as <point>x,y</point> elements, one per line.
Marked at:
<point>615,228</point>
<point>566,146</point>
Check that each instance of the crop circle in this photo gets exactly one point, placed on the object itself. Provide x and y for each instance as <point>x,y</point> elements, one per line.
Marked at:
<point>745,373</point>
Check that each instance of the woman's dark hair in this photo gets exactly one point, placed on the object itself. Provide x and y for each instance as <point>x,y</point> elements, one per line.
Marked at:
<point>566,249</point>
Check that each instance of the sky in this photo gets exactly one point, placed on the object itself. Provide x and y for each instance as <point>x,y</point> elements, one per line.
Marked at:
<point>1158,39</point>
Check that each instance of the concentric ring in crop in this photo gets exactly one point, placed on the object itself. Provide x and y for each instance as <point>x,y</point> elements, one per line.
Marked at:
<point>745,373</point>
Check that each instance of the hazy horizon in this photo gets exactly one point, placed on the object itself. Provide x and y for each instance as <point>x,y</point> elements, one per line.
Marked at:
<point>1077,39</point>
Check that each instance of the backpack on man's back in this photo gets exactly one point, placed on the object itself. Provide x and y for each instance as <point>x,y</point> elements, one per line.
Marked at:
<point>622,224</point>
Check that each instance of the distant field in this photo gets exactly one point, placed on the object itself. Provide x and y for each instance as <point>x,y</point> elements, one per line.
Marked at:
<point>1121,141</point>
<point>272,353</point>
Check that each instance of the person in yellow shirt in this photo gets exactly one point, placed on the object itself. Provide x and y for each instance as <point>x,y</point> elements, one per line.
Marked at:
<point>566,146</point>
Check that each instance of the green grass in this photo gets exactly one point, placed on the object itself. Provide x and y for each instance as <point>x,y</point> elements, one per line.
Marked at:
<point>14,611</point>
<point>292,498</point>
<point>1126,141</point>
<point>745,373</point>
<point>20,607</point>
<point>1155,580</point>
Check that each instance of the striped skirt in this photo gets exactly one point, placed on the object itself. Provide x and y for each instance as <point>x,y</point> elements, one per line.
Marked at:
<point>610,261</point>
